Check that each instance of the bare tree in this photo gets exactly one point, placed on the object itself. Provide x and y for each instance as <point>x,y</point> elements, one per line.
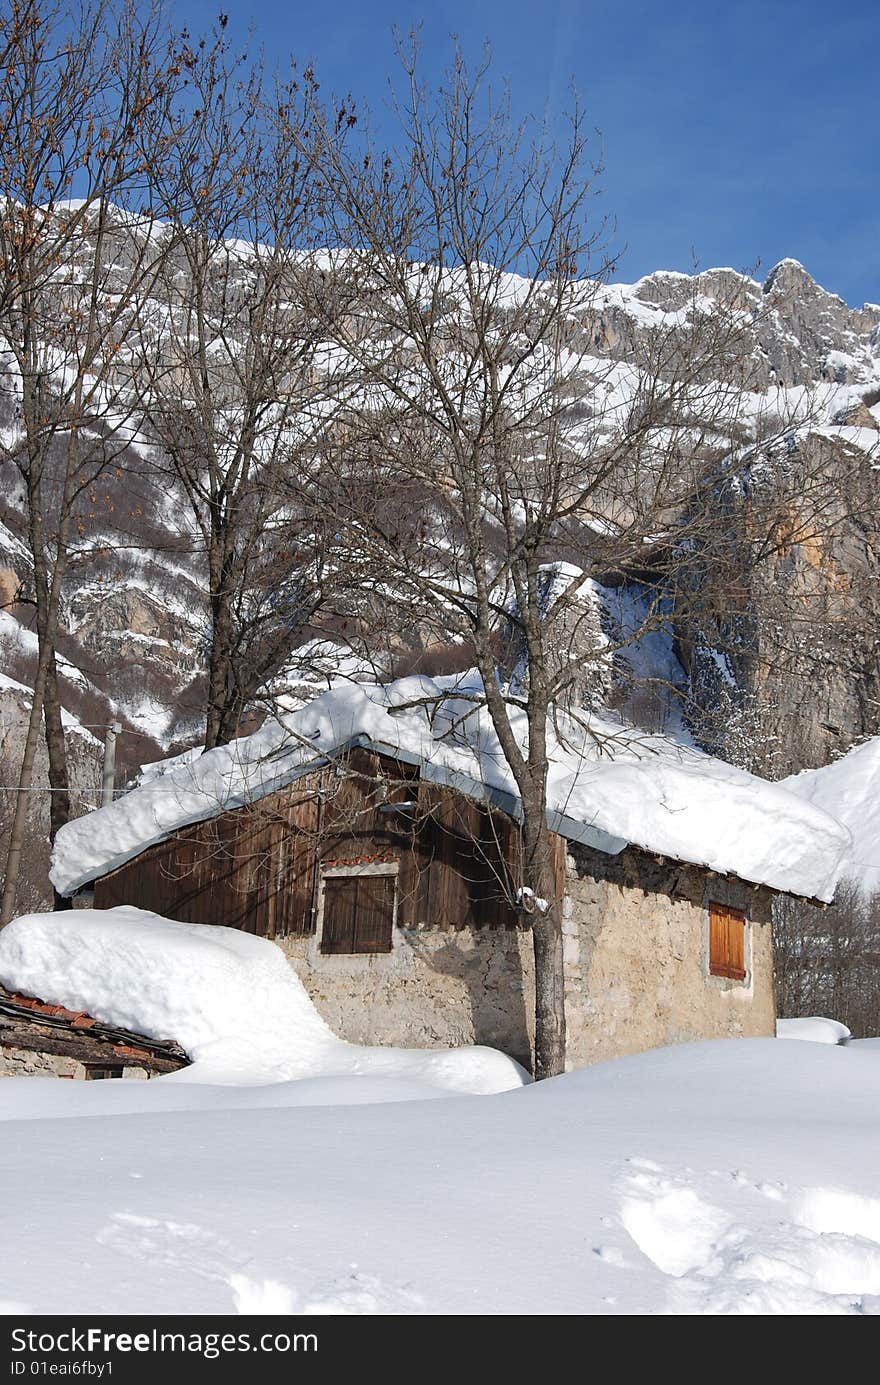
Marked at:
<point>827,961</point>
<point>245,386</point>
<point>75,269</point>
<point>497,460</point>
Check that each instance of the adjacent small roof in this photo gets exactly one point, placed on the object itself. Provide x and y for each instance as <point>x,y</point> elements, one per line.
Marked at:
<point>28,1023</point>
<point>609,786</point>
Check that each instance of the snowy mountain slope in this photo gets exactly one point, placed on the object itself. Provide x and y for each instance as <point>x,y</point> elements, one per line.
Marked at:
<point>135,602</point>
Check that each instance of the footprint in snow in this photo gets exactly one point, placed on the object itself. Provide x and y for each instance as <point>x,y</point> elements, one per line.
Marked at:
<point>261,1295</point>
<point>671,1224</point>
<point>192,1249</point>
<point>612,1255</point>
<point>823,1259</point>
<point>361,1294</point>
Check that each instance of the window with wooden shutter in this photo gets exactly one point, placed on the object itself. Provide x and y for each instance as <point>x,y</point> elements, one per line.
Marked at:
<point>358,913</point>
<point>727,942</point>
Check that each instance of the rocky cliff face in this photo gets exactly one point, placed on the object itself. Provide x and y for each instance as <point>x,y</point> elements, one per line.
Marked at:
<point>776,636</point>
<point>780,640</point>
<point>770,655</point>
<point>798,333</point>
<point>135,607</point>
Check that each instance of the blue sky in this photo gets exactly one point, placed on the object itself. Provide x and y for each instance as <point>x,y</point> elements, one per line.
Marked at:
<point>735,134</point>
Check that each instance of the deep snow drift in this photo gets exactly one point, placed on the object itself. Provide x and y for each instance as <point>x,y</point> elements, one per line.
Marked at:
<point>231,1000</point>
<point>608,785</point>
<point>849,789</point>
<point>734,1177</point>
<point>813,1029</point>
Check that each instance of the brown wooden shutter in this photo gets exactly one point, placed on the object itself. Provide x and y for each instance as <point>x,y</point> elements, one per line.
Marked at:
<point>340,913</point>
<point>374,918</point>
<point>727,931</point>
<point>358,914</point>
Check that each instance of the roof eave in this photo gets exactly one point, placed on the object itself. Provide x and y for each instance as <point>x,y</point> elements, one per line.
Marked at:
<point>506,802</point>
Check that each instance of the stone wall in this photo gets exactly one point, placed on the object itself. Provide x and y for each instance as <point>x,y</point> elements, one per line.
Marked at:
<point>636,970</point>
<point>26,1062</point>
<point>636,957</point>
<point>437,988</point>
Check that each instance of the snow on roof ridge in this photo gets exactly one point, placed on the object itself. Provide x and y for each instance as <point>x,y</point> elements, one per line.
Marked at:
<point>609,785</point>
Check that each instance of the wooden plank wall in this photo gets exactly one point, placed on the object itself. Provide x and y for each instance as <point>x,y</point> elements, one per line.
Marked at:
<point>256,867</point>
<point>251,868</point>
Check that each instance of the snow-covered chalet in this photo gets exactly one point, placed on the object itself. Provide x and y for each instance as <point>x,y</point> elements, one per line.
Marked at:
<point>373,835</point>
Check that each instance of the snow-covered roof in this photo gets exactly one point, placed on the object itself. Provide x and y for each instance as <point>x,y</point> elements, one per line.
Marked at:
<point>849,789</point>
<point>609,786</point>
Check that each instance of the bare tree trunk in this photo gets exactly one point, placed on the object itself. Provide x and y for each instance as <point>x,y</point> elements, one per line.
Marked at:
<point>56,747</point>
<point>538,865</point>
<point>549,995</point>
<point>18,829</point>
<point>218,729</point>
<point>548,947</point>
<point>549,958</point>
<point>230,721</point>
<point>48,600</point>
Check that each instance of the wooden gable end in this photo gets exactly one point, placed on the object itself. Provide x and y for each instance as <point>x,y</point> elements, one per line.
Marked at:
<point>251,868</point>
<point>258,867</point>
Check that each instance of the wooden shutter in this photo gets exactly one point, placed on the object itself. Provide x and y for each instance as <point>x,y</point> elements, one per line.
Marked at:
<point>340,912</point>
<point>374,918</point>
<point>727,933</point>
<point>358,914</point>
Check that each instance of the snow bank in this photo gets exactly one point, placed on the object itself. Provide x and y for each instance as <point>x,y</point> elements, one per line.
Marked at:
<point>814,1029</point>
<point>734,1177</point>
<point>849,789</point>
<point>45,1098</point>
<point>228,998</point>
<point>609,785</point>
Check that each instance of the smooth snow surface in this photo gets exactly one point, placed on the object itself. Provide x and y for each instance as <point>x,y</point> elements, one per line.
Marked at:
<point>814,1029</point>
<point>608,785</point>
<point>727,1177</point>
<point>849,789</point>
<point>230,999</point>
